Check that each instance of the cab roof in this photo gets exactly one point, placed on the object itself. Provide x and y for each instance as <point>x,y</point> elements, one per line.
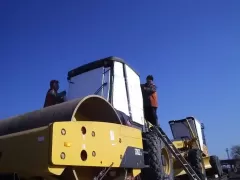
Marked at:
<point>105,62</point>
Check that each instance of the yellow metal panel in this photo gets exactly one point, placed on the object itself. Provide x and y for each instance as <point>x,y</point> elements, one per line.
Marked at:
<point>26,151</point>
<point>136,172</point>
<point>104,143</point>
<point>178,144</point>
<point>29,153</point>
<point>206,161</point>
<point>205,150</point>
<point>179,172</point>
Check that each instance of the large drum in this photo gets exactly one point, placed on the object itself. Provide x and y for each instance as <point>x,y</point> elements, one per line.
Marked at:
<point>89,108</point>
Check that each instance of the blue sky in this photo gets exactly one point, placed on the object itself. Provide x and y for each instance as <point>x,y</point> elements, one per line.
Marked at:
<point>191,48</point>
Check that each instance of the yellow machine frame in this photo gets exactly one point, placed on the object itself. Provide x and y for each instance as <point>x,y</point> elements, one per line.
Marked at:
<point>49,150</point>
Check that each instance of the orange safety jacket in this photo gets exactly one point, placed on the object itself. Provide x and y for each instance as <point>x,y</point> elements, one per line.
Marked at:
<point>149,92</point>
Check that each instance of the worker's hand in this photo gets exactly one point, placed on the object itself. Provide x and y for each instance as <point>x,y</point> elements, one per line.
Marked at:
<point>64,93</point>
<point>61,94</point>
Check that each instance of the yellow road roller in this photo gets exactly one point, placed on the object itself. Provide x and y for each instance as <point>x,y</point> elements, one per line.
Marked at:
<point>98,133</point>
<point>189,139</point>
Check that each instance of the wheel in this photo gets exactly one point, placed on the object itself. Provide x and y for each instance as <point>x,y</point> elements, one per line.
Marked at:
<point>196,161</point>
<point>216,166</point>
<point>167,162</point>
<point>158,159</point>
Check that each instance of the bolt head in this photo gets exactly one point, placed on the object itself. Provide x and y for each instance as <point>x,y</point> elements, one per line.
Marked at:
<point>62,155</point>
<point>63,131</point>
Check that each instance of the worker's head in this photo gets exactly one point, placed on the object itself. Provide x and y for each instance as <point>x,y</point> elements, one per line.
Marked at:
<point>149,79</point>
<point>54,84</point>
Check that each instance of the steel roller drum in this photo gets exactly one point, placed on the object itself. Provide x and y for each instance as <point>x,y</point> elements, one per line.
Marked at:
<point>89,108</point>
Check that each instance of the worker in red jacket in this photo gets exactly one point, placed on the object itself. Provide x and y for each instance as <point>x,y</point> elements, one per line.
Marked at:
<point>150,100</point>
<point>52,96</point>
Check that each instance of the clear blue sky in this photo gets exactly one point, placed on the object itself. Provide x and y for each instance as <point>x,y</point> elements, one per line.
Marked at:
<point>192,48</point>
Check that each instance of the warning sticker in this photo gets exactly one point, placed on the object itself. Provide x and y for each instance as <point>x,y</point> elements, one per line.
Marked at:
<point>112,135</point>
<point>138,152</point>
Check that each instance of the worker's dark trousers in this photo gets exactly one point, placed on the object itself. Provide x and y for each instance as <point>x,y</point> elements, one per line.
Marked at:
<point>150,114</point>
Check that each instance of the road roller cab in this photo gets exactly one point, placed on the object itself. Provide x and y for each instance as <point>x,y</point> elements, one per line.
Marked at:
<point>188,133</point>
<point>120,85</point>
<point>115,81</point>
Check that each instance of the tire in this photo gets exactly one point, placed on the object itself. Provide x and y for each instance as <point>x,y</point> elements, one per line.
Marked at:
<point>157,152</point>
<point>152,145</point>
<point>216,166</point>
<point>196,161</point>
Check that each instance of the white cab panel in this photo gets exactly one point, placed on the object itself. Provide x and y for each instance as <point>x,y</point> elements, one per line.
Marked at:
<point>119,98</point>
<point>199,133</point>
<point>135,95</point>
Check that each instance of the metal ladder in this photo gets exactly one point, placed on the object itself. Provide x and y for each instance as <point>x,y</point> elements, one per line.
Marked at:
<point>186,166</point>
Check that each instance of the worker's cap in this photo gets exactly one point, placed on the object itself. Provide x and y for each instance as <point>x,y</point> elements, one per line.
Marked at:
<point>150,77</point>
<point>53,82</point>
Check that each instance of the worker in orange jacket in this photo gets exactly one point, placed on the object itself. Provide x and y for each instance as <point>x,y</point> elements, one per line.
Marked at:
<point>52,96</point>
<point>150,100</point>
